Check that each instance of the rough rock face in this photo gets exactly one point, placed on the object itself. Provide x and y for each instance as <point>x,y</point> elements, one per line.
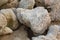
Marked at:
<point>5,30</point>
<point>57,23</point>
<point>10,4</point>
<point>11,18</point>
<point>54,5</point>
<point>55,13</point>
<point>51,35</point>
<point>46,2</point>
<point>3,2</point>
<point>3,25</point>
<point>29,4</point>
<point>19,34</point>
<point>37,19</point>
<point>3,20</point>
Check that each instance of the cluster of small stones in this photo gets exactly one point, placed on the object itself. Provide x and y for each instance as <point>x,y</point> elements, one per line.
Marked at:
<point>29,19</point>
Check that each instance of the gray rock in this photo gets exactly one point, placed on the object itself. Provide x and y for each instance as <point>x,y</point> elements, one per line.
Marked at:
<point>29,4</point>
<point>51,35</point>
<point>37,19</point>
<point>46,2</point>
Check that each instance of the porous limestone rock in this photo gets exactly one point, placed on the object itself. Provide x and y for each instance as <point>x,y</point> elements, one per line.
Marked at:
<point>51,35</point>
<point>2,2</point>
<point>11,18</point>
<point>37,19</point>
<point>29,4</point>
<point>10,4</point>
<point>19,34</point>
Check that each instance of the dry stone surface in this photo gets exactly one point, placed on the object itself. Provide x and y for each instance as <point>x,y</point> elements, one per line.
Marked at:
<point>3,2</point>
<point>19,34</point>
<point>37,19</point>
<point>11,18</point>
<point>46,2</point>
<point>10,4</point>
<point>28,4</point>
<point>51,35</point>
<point>3,25</point>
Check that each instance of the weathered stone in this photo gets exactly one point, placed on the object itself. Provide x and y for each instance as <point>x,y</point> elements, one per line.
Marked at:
<point>5,30</point>
<point>11,18</point>
<point>55,12</point>
<point>51,35</point>
<point>29,4</point>
<point>3,2</point>
<point>3,23</point>
<point>19,34</point>
<point>10,4</point>
<point>46,2</point>
<point>37,19</point>
<point>57,23</point>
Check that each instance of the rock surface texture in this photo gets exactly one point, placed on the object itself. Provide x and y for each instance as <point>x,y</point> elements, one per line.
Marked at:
<point>10,4</point>
<point>37,19</point>
<point>3,25</point>
<point>11,18</point>
<point>28,4</point>
<point>29,19</point>
<point>19,34</point>
<point>51,35</point>
<point>3,2</point>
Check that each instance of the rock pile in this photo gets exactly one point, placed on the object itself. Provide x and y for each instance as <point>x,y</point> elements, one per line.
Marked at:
<point>29,19</point>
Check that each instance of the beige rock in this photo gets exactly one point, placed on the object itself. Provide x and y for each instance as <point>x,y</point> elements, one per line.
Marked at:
<point>2,2</point>
<point>46,2</point>
<point>29,4</point>
<point>55,12</point>
<point>57,23</point>
<point>37,19</point>
<point>5,30</point>
<point>10,4</point>
<point>19,34</point>
<point>3,21</point>
<point>11,18</point>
